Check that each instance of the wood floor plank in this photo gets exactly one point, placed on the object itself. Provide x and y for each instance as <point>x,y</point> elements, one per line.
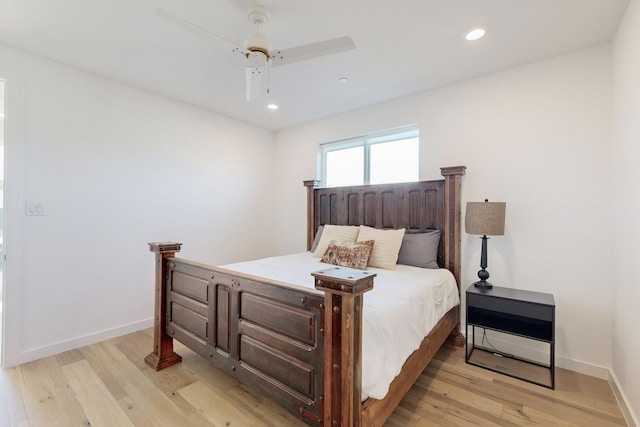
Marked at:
<point>98,356</point>
<point>101,354</point>
<point>526,416</point>
<point>69,357</point>
<point>155,406</point>
<point>48,403</point>
<point>419,402</point>
<point>12,410</point>
<point>466,416</point>
<point>215,408</point>
<point>203,371</point>
<point>271,414</point>
<point>99,404</point>
<point>112,384</point>
<point>424,422</point>
<point>404,417</point>
<point>168,381</point>
<point>137,342</point>
<point>135,414</point>
<point>464,396</point>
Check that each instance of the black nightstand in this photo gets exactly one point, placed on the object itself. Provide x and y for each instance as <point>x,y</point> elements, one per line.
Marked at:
<point>527,314</point>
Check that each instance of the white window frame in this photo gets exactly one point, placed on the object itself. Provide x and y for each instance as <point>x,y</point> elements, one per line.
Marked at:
<point>366,141</point>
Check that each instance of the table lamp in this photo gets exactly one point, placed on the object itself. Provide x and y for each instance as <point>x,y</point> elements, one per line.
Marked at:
<point>485,219</point>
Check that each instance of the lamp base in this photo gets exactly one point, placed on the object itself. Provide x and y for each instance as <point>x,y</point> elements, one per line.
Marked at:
<point>483,284</point>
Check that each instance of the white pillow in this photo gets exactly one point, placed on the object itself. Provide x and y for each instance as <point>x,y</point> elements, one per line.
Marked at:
<point>341,233</point>
<point>386,247</point>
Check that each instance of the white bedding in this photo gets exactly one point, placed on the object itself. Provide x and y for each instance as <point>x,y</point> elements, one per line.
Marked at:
<point>404,305</point>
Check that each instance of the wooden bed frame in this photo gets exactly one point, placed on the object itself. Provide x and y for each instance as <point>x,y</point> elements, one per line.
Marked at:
<point>303,347</point>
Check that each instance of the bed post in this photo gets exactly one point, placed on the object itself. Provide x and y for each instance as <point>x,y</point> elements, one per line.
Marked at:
<point>162,355</point>
<point>343,294</point>
<point>452,184</point>
<point>311,211</point>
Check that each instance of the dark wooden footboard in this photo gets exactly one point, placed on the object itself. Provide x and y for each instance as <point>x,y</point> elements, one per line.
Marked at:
<point>267,335</point>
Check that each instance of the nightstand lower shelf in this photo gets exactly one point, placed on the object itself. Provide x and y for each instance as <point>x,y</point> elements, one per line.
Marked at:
<point>511,365</point>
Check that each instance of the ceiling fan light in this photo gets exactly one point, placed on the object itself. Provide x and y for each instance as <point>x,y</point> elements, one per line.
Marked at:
<point>475,34</point>
<point>257,59</point>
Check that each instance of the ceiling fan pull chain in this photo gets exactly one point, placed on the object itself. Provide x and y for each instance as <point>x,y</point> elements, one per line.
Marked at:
<point>268,76</point>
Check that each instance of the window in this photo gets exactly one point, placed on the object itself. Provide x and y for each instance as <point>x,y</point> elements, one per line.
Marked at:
<point>379,158</point>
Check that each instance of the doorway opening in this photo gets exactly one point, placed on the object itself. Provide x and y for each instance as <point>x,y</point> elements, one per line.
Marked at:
<point>2,114</point>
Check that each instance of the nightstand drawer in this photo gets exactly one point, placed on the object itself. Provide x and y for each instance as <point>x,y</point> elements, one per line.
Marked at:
<point>515,307</point>
<point>500,321</point>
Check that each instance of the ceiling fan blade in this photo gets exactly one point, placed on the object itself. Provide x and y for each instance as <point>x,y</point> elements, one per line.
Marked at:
<point>198,30</point>
<point>310,51</point>
<point>254,82</point>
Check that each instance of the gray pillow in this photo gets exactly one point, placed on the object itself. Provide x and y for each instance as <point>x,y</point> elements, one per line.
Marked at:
<point>316,239</point>
<point>420,249</point>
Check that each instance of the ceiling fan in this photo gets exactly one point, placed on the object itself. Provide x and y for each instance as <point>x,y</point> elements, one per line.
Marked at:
<point>259,56</point>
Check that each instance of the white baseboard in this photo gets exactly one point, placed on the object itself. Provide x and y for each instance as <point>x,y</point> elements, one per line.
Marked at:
<point>62,346</point>
<point>583,367</point>
<point>629,416</point>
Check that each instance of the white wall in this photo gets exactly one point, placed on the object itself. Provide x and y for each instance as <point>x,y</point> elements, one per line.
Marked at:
<point>537,137</point>
<point>116,168</point>
<point>626,206</point>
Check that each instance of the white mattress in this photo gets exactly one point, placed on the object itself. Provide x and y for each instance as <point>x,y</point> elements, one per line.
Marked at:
<point>404,305</point>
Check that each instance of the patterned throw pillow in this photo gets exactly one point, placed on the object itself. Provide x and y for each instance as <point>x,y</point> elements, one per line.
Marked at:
<point>348,254</point>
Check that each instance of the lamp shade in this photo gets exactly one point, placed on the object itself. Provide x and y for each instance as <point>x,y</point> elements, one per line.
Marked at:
<point>485,218</point>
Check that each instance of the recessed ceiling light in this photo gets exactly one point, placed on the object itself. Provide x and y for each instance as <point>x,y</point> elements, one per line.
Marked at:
<point>272,107</point>
<point>475,34</point>
<point>343,79</point>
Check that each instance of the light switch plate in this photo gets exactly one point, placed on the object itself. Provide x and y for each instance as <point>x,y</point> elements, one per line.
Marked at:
<point>35,209</point>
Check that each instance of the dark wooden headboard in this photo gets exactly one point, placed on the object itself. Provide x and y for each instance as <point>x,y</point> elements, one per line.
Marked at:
<point>415,206</point>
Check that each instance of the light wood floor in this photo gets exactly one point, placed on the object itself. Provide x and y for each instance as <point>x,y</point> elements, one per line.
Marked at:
<point>108,384</point>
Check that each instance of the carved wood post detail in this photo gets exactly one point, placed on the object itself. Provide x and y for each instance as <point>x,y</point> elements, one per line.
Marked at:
<point>344,289</point>
<point>453,183</point>
<point>452,235</point>
<point>162,355</point>
<point>311,210</point>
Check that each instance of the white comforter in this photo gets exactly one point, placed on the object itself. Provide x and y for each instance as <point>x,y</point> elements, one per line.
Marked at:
<point>404,305</point>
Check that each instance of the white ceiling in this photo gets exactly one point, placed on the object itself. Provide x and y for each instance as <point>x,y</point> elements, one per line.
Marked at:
<point>403,46</point>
